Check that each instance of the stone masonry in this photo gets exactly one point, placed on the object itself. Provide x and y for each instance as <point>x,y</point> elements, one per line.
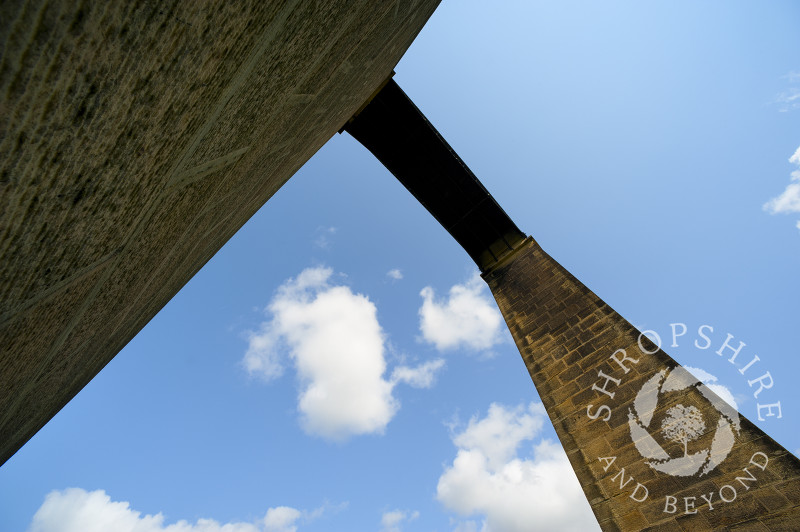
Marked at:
<point>136,138</point>
<point>653,448</point>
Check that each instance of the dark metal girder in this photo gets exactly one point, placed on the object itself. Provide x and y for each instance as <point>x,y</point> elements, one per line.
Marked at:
<point>398,134</point>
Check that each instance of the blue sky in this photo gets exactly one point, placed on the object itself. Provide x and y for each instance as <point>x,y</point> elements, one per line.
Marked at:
<point>645,146</point>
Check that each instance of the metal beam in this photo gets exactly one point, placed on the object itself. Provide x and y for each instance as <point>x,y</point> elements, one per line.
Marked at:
<point>398,134</point>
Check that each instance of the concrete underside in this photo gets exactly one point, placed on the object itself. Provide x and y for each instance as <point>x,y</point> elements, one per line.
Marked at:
<point>137,138</point>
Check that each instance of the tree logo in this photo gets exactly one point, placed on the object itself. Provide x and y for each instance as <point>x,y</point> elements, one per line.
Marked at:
<point>681,425</point>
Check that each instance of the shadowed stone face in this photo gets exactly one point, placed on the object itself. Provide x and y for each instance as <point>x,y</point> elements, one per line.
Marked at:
<point>137,137</point>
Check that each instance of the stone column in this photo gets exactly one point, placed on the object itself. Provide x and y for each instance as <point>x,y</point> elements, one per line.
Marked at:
<point>652,447</point>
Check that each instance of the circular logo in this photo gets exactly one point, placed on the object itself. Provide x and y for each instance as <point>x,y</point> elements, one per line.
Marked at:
<point>681,424</point>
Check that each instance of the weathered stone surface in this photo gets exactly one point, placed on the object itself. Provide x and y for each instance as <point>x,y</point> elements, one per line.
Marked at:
<point>559,325</point>
<point>136,138</point>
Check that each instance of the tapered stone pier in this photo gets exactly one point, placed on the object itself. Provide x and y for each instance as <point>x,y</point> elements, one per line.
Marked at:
<point>613,398</point>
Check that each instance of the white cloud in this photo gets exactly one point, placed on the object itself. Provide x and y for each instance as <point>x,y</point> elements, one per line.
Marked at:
<point>391,521</point>
<point>467,319</point>
<point>77,510</point>
<point>337,347</point>
<point>499,434</point>
<point>326,508</point>
<point>711,381</point>
<point>394,274</point>
<point>511,492</point>
<point>789,200</point>
<point>422,376</point>
<point>281,519</point>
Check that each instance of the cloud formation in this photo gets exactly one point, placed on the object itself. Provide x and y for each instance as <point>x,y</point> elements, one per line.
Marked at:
<point>337,347</point>
<point>394,274</point>
<point>507,490</point>
<point>789,200</point>
<point>391,521</point>
<point>78,510</point>
<point>467,319</point>
<point>422,376</point>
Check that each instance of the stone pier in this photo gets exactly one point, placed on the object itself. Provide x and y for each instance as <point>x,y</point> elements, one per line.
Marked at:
<point>619,403</point>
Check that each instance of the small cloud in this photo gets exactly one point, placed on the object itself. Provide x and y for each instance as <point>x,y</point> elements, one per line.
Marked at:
<point>789,200</point>
<point>337,346</point>
<point>391,521</point>
<point>711,381</point>
<point>422,376</point>
<point>333,339</point>
<point>394,274</point>
<point>326,508</point>
<point>324,237</point>
<point>468,318</point>
<point>286,518</point>
<point>491,479</point>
